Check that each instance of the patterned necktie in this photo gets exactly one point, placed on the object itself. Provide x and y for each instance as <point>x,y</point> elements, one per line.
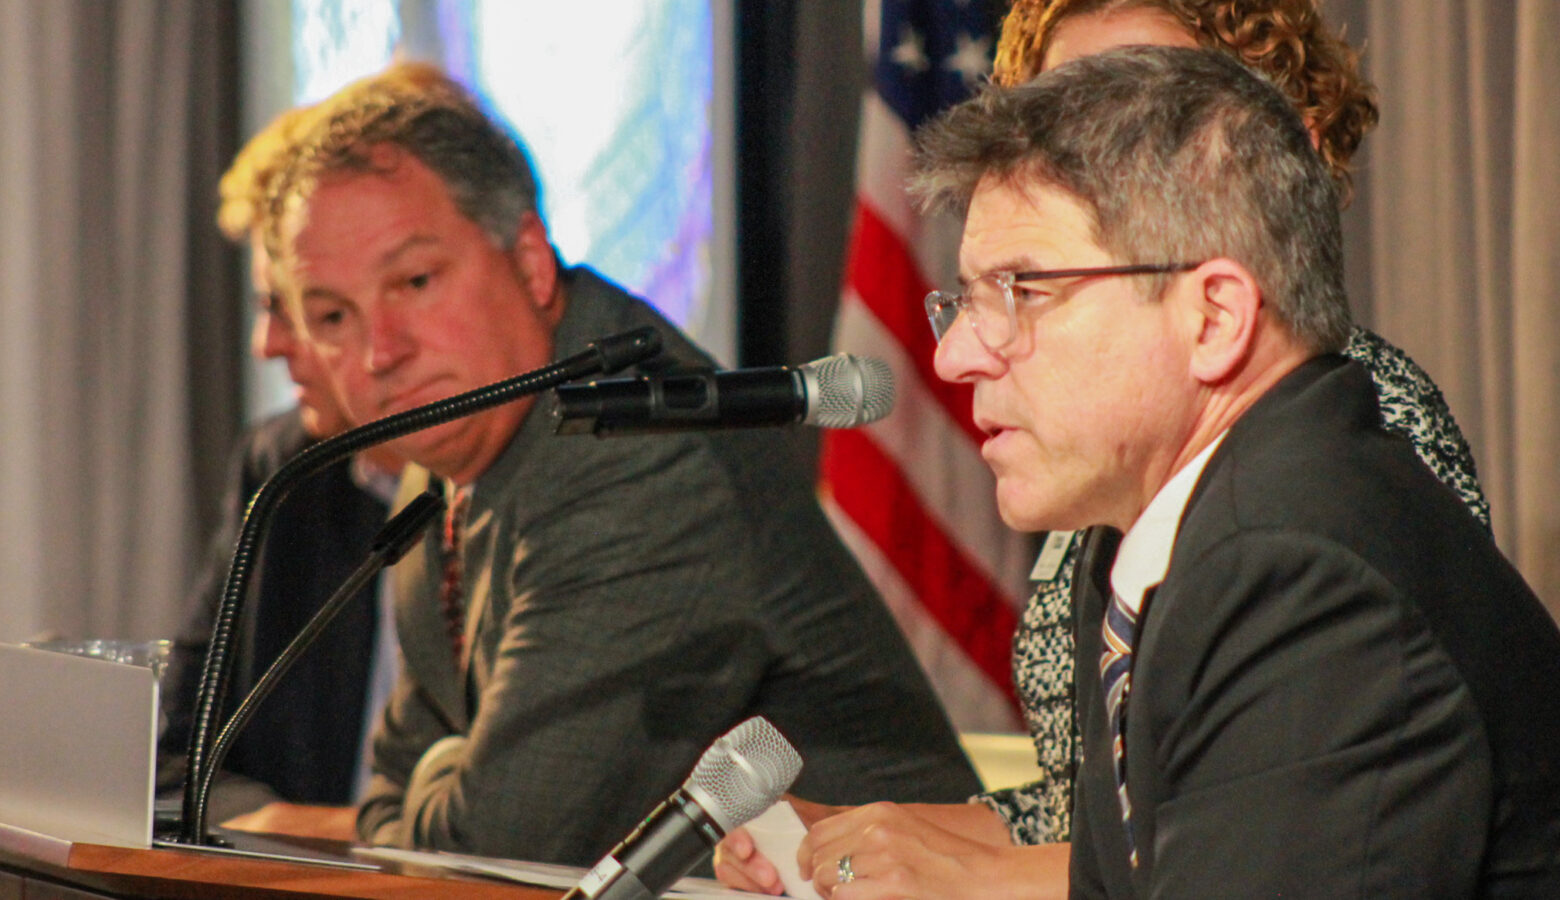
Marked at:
<point>1120,632</point>
<point>451,601</point>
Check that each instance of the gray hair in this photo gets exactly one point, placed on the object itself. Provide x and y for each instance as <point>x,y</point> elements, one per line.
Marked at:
<point>1181,155</point>
<point>436,120</point>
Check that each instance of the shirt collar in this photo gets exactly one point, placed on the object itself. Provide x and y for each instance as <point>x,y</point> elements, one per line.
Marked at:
<point>1144,556</point>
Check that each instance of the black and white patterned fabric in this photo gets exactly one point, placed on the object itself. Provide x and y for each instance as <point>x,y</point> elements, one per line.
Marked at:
<point>1041,812</point>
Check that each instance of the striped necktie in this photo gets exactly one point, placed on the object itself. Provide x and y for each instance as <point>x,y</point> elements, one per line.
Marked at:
<point>451,600</point>
<point>1119,633</point>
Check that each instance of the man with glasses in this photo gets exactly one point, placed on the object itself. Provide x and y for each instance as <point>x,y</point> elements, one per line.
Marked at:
<point>1305,670</point>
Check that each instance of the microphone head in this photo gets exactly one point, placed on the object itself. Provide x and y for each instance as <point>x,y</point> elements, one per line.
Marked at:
<point>743,773</point>
<point>845,390</point>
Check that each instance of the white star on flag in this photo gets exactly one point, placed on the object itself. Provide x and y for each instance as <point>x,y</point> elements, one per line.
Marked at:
<point>910,52</point>
<point>972,59</point>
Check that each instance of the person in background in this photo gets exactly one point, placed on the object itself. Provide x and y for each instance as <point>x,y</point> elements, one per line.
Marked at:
<point>594,613</point>
<point>307,743</point>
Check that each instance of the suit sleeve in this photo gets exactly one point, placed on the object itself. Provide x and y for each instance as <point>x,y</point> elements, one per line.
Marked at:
<point>409,725</point>
<point>411,722</point>
<point>1309,736</point>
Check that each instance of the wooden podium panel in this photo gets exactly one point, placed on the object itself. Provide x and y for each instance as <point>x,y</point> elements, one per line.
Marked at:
<point>158,873</point>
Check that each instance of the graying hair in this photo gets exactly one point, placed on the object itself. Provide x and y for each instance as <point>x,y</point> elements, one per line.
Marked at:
<point>480,162</point>
<point>1181,155</point>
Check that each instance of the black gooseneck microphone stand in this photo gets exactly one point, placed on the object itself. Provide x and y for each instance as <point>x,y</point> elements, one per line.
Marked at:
<point>392,542</point>
<point>606,356</point>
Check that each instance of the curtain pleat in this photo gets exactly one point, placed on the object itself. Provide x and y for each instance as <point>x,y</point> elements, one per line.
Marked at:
<point>1465,241</point>
<point>97,515</point>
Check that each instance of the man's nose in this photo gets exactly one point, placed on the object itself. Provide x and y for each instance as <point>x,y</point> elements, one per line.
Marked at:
<point>390,340</point>
<point>271,337</point>
<point>961,357</point>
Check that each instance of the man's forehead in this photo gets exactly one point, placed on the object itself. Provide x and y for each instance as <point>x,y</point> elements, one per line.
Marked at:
<point>383,169</point>
<point>372,217</point>
<point>1008,214</point>
<point>1020,190</point>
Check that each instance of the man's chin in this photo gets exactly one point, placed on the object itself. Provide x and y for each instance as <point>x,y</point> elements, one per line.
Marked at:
<point>414,448</point>
<point>1016,514</point>
<point>1027,512</point>
<point>429,448</point>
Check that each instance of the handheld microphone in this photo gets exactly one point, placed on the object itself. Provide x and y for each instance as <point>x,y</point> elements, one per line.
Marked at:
<point>840,391</point>
<point>742,774</point>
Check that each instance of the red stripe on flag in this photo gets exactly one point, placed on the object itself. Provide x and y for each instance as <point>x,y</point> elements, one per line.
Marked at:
<point>882,272</point>
<point>868,485</point>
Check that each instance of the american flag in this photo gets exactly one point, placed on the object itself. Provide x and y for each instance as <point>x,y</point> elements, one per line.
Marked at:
<point>911,495</point>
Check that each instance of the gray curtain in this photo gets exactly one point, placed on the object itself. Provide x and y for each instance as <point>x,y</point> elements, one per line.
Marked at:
<point>1458,199</point>
<point>103,455</point>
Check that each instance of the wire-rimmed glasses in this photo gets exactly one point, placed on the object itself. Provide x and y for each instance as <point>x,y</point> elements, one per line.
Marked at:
<point>989,299</point>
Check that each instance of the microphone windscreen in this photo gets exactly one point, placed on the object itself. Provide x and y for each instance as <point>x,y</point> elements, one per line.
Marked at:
<point>743,773</point>
<point>845,390</point>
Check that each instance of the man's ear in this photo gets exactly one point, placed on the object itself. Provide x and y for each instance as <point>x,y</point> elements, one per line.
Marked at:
<point>1221,304</point>
<point>535,261</point>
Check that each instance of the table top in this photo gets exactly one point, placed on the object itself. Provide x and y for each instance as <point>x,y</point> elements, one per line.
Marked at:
<point>189,873</point>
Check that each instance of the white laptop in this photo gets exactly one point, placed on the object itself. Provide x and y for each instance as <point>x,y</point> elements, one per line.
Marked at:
<point>79,745</point>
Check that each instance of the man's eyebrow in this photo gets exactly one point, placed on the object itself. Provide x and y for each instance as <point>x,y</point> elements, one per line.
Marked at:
<point>1011,264</point>
<point>323,293</point>
<point>417,240</point>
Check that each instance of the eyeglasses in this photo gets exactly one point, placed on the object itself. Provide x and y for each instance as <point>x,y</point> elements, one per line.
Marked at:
<point>989,299</point>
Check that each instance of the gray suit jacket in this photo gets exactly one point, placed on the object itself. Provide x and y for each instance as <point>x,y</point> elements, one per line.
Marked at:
<point>1341,689</point>
<point>629,600</point>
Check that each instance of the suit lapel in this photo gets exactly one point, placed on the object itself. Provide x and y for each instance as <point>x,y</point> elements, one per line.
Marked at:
<point>478,584</point>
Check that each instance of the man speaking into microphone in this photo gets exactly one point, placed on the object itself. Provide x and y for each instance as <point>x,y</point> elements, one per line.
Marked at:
<point>596,612</point>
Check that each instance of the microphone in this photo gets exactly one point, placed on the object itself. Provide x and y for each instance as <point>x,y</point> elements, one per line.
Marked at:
<point>742,774</point>
<point>840,391</point>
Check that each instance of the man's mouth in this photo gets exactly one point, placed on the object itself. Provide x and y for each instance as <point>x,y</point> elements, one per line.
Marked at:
<point>412,397</point>
<point>991,427</point>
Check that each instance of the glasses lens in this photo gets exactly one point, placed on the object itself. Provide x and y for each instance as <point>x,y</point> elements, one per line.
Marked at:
<point>991,310</point>
<point>942,309</point>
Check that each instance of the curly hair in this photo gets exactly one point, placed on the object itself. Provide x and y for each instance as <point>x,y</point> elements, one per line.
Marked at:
<point>244,187</point>
<point>1286,40</point>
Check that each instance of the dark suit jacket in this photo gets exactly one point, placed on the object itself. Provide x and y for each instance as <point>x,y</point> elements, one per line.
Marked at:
<point>1341,688</point>
<point>304,741</point>
<point>629,600</point>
